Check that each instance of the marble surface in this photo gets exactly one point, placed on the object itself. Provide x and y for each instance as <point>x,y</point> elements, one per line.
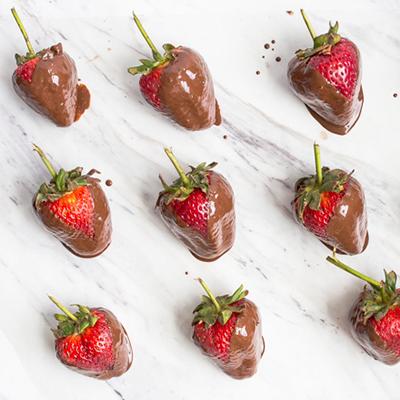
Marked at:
<point>303,300</point>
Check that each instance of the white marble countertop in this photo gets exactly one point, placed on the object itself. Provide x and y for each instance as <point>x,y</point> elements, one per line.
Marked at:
<point>304,301</point>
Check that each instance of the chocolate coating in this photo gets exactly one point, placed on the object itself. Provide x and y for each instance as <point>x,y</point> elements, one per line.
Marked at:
<point>326,104</point>
<point>122,350</point>
<point>75,241</point>
<point>365,335</point>
<point>187,91</point>
<point>347,228</point>
<point>221,222</point>
<point>54,90</point>
<point>246,345</point>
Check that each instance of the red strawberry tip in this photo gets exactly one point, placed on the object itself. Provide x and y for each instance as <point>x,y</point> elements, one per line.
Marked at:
<point>220,308</point>
<point>72,324</point>
<point>62,182</point>
<point>310,189</point>
<point>322,43</point>
<point>181,188</point>
<point>383,296</point>
<point>147,65</point>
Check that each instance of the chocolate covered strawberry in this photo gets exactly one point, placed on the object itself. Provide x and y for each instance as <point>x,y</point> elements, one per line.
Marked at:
<point>178,83</point>
<point>74,208</point>
<point>47,81</point>
<point>199,210</point>
<point>327,78</point>
<point>331,205</point>
<point>375,316</point>
<point>92,341</point>
<point>228,329</point>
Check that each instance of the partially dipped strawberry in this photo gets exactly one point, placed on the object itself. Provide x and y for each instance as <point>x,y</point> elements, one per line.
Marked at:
<point>92,341</point>
<point>74,208</point>
<point>327,78</point>
<point>228,329</point>
<point>47,81</point>
<point>331,205</point>
<point>375,316</point>
<point>178,83</point>
<point>199,210</point>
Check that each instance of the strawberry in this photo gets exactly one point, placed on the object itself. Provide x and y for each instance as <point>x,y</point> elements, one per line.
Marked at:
<point>47,81</point>
<point>375,317</point>
<point>178,84</point>
<point>339,67</point>
<point>319,203</point>
<point>198,208</point>
<point>227,329</point>
<point>74,208</point>
<point>327,78</point>
<point>92,341</point>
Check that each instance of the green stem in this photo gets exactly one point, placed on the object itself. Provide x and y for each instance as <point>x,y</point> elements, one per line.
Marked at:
<point>181,172</point>
<point>210,295</point>
<point>318,168</point>
<point>23,31</point>
<point>63,309</point>
<point>156,53</point>
<point>338,263</point>
<point>45,160</point>
<point>308,24</point>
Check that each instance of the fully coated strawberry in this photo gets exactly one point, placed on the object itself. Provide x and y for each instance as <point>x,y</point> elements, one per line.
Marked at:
<point>375,317</point>
<point>331,205</point>
<point>327,78</point>
<point>178,84</point>
<point>47,82</point>
<point>92,341</point>
<point>228,329</point>
<point>198,208</point>
<point>74,208</point>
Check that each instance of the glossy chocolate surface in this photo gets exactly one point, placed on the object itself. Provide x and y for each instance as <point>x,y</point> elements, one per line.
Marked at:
<point>54,90</point>
<point>75,241</point>
<point>221,222</point>
<point>366,336</point>
<point>327,105</point>
<point>187,91</point>
<point>347,228</point>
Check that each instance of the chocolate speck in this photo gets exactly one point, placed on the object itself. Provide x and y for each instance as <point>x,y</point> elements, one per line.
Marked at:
<point>225,136</point>
<point>278,59</point>
<point>273,41</point>
<point>109,182</point>
<point>290,12</point>
<point>186,273</point>
<point>394,94</point>
<point>262,56</point>
<point>258,72</point>
<point>273,49</point>
<point>266,46</point>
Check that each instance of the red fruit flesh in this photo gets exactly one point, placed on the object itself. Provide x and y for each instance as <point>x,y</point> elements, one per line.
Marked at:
<point>149,86</point>
<point>340,68</point>
<point>75,209</point>
<point>25,71</point>
<point>193,211</point>
<point>216,339</point>
<point>388,329</point>
<point>92,350</point>
<point>317,220</point>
